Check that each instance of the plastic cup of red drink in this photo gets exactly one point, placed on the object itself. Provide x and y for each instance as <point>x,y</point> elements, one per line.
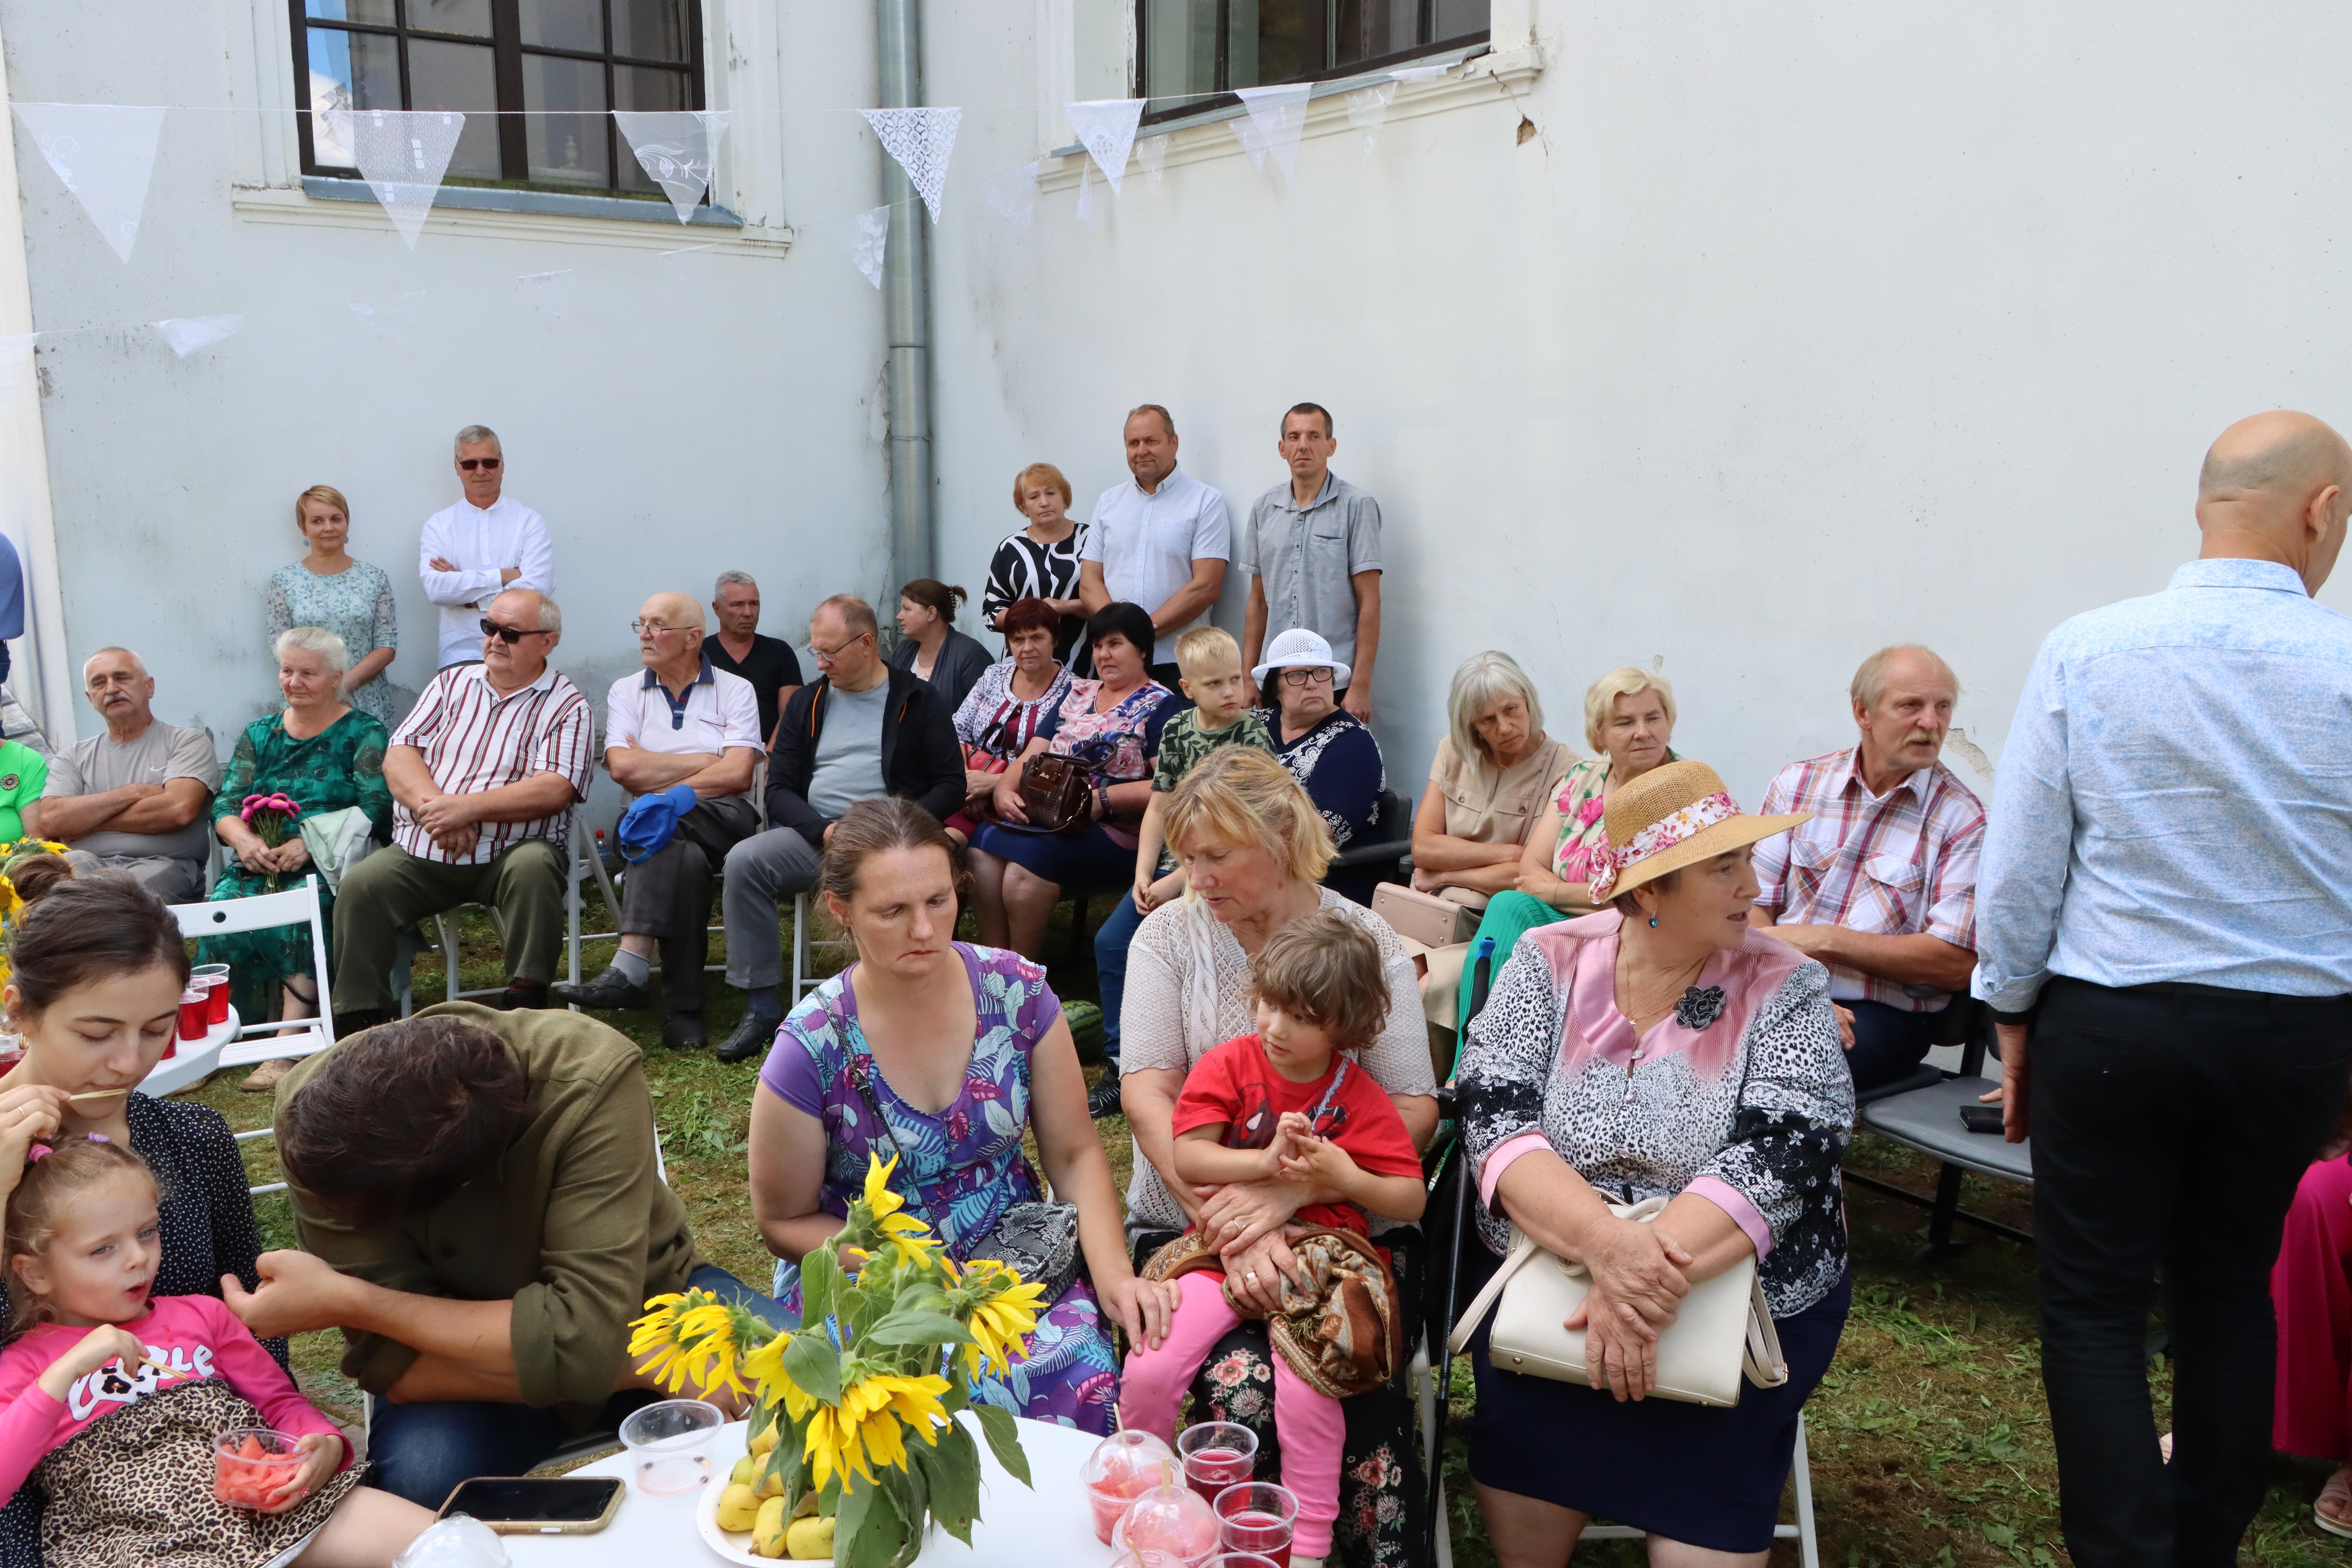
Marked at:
<point>1216,1454</point>
<point>1240,1560</point>
<point>251,1463</point>
<point>1257,1516</point>
<point>1123,1467</point>
<point>213,978</point>
<point>195,1021</point>
<point>1171,1520</point>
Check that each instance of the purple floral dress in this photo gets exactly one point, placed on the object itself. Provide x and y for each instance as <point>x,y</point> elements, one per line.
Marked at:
<point>967,1161</point>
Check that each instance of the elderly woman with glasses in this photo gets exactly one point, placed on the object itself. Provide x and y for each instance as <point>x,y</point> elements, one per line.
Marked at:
<point>1327,748</point>
<point>326,756</point>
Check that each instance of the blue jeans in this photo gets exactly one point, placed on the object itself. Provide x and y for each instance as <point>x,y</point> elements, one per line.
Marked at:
<point>1110,968</point>
<point>1889,1044</point>
<point>422,1452</point>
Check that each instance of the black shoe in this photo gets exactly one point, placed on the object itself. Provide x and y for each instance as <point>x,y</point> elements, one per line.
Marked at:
<point>750,1037</point>
<point>610,989</point>
<point>683,1031</point>
<point>523,996</point>
<point>1103,1098</point>
<point>350,1023</point>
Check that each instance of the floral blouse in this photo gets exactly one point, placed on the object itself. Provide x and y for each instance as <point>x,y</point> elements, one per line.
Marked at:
<point>1125,739</point>
<point>356,606</point>
<point>990,703</point>
<point>1581,804</point>
<point>1741,1096</point>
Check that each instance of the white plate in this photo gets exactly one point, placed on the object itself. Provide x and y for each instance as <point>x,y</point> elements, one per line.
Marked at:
<point>734,1545</point>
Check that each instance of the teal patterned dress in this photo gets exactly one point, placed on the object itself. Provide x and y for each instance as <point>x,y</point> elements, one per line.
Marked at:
<point>340,766</point>
<point>356,606</point>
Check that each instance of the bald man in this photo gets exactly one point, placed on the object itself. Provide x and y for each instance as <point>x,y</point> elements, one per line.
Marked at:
<point>682,736</point>
<point>134,799</point>
<point>2165,935</point>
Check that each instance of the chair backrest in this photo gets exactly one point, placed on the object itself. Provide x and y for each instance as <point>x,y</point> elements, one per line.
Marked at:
<point>1395,818</point>
<point>295,906</point>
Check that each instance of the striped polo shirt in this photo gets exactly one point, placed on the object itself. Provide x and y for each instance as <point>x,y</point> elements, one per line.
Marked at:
<point>475,739</point>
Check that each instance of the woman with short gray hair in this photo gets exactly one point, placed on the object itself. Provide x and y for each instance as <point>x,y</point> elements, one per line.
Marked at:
<point>326,756</point>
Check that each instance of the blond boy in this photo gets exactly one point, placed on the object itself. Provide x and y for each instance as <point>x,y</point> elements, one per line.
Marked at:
<point>1212,677</point>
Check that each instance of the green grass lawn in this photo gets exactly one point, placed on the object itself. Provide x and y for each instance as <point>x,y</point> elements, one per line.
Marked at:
<point>1930,1440</point>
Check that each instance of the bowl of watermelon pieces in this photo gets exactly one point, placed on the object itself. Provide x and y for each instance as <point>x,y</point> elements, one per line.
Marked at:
<point>251,1463</point>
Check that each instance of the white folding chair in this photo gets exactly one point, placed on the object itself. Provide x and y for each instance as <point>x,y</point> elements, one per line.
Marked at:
<point>269,1042</point>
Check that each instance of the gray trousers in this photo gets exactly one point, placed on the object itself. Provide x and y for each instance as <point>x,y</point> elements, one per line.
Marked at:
<point>762,873</point>
<point>171,880</point>
<point>667,893</point>
<point>392,890</point>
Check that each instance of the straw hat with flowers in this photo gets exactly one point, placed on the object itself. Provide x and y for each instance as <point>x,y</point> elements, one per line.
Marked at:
<point>1675,816</point>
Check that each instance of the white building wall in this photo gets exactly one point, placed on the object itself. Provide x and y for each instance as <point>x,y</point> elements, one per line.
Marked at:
<point>1786,332</point>
<point>679,419</point>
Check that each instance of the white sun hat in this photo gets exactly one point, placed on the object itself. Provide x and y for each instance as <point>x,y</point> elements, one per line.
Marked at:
<point>1300,649</point>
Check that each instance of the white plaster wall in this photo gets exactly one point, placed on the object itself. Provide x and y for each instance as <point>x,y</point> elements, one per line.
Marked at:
<point>680,419</point>
<point>1791,332</point>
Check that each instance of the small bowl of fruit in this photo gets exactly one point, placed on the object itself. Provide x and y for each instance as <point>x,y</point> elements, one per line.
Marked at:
<point>750,1520</point>
<point>250,1463</point>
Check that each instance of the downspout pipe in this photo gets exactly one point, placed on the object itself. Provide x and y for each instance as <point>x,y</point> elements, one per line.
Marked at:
<point>906,309</point>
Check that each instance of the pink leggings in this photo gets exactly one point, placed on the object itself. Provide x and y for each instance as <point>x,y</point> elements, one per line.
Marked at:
<point>1309,1424</point>
<point>2311,1286</point>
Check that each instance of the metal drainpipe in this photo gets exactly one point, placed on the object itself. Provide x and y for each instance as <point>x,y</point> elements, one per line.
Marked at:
<point>906,301</point>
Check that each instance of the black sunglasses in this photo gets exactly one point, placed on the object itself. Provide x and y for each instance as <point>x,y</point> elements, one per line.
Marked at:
<point>506,634</point>
<point>470,464</point>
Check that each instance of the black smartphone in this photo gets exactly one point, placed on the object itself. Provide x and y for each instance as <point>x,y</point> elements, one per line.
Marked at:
<point>1980,1117</point>
<point>532,1505</point>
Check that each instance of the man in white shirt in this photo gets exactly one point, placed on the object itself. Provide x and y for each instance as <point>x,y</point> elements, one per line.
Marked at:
<point>1160,540</point>
<point>681,736</point>
<point>477,548</point>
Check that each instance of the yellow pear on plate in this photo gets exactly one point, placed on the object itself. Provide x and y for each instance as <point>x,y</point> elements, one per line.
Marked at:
<point>737,1509</point>
<point>746,1472</point>
<point>809,1539</point>
<point>768,1530</point>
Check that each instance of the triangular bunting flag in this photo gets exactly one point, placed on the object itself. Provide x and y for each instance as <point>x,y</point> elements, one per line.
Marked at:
<point>186,334</point>
<point>394,320</point>
<point>1276,116</point>
<point>1367,110</point>
<point>922,140</point>
<point>402,154</point>
<point>676,148</point>
<point>1152,153</point>
<point>105,153</point>
<point>1087,194</point>
<point>1013,193</point>
<point>1106,129</point>
<point>869,237</point>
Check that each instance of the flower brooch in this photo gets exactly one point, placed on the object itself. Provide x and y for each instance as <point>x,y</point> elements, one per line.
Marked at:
<point>1700,1006</point>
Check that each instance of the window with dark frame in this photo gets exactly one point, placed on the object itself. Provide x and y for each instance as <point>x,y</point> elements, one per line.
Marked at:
<point>1191,53</point>
<point>554,67</point>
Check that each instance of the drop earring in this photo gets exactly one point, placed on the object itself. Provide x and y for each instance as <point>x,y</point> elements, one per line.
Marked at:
<point>1653,922</point>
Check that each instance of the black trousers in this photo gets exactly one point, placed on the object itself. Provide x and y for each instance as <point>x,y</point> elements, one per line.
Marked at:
<point>668,894</point>
<point>1889,1044</point>
<point>2170,1126</point>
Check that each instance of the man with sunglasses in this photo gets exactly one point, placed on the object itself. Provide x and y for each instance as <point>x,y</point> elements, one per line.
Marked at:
<point>484,774</point>
<point>861,730</point>
<point>481,547</point>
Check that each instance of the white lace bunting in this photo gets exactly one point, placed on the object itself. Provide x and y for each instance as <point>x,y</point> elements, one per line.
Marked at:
<point>105,155</point>
<point>1106,129</point>
<point>869,237</point>
<point>1277,115</point>
<point>922,141</point>
<point>186,334</point>
<point>1151,154</point>
<point>678,149</point>
<point>402,154</point>
<point>1367,110</point>
<point>1013,194</point>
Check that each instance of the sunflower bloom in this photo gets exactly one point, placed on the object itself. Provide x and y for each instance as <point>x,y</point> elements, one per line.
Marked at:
<point>835,1446</point>
<point>877,1195</point>
<point>1001,1322</point>
<point>915,1400</point>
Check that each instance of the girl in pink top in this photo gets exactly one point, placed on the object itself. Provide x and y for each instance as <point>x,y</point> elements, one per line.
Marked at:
<point>113,1398</point>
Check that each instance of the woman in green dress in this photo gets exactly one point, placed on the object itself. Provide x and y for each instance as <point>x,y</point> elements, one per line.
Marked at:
<point>326,756</point>
<point>350,598</point>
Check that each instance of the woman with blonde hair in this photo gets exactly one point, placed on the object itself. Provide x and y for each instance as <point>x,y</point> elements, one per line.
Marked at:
<point>1254,849</point>
<point>1629,718</point>
<point>350,598</point>
<point>1040,561</point>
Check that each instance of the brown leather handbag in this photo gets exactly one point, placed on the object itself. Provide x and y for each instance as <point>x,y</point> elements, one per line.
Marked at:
<point>1057,793</point>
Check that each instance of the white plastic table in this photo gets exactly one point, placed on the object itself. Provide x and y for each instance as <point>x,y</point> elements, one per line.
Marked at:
<point>1018,1528</point>
<point>193,1059</point>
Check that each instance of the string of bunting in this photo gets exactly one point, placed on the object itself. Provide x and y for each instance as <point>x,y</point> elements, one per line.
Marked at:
<point>105,155</point>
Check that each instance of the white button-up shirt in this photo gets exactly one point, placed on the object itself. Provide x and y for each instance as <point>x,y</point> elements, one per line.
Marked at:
<point>1147,544</point>
<point>719,710</point>
<point>481,544</point>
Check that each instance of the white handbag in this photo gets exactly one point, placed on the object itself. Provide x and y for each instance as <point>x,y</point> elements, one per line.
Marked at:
<point>1723,1331</point>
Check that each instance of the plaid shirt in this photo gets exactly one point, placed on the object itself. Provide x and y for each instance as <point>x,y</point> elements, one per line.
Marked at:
<point>1898,865</point>
<point>475,739</point>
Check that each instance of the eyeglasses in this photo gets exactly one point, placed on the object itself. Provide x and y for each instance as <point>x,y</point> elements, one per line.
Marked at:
<point>827,655</point>
<point>655,628</point>
<point>1317,676</point>
<point>470,464</point>
<point>508,634</point>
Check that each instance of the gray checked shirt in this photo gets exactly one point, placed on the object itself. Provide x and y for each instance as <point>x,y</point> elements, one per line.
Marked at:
<point>1307,559</point>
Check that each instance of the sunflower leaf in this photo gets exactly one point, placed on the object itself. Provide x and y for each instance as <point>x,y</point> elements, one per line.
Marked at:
<point>996,1424</point>
<point>811,1364</point>
<point>919,1328</point>
<point>874,1536</point>
<point>952,1468</point>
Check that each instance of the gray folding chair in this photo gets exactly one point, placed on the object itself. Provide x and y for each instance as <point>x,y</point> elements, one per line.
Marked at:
<point>1928,1119</point>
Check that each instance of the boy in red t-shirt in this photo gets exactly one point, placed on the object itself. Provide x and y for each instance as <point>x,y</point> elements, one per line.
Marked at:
<point>1286,1104</point>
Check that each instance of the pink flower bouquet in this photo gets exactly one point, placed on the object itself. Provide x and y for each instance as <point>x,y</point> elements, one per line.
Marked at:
<point>271,817</point>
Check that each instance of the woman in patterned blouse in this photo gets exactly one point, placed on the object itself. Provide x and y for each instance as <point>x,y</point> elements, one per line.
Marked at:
<point>350,598</point>
<point>1660,1049</point>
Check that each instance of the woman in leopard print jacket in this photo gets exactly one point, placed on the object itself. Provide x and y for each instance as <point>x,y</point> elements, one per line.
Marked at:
<point>1661,1049</point>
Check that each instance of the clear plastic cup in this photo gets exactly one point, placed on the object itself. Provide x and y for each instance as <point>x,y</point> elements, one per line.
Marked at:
<point>250,1463</point>
<point>1128,1558</point>
<point>195,1016</point>
<point>1170,1519</point>
<point>1123,1467</point>
<point>213,979</point>
<point>1258,1517</point>
<point>1216,1454</point>
<point>670,1444</point>
<point>1240,1560</point>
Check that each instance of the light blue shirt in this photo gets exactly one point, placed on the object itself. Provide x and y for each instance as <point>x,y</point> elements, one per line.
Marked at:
<point>2175,801</point>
